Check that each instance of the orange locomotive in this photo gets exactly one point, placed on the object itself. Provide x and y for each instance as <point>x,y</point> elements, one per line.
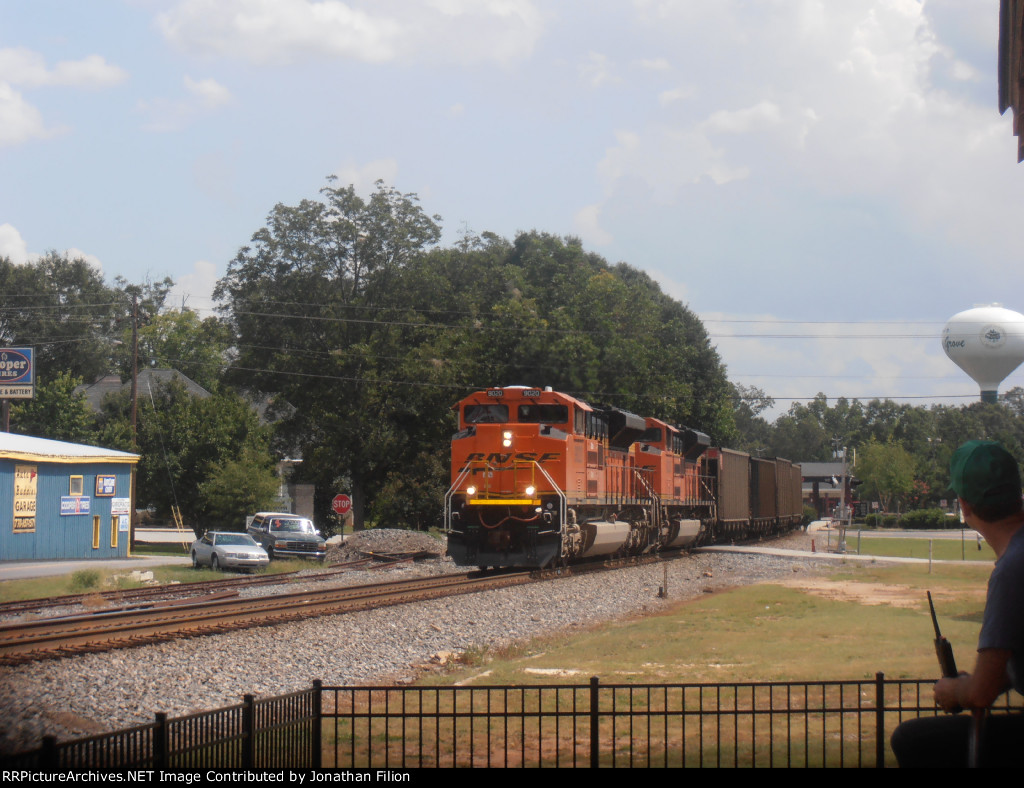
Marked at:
<point>541,478</point>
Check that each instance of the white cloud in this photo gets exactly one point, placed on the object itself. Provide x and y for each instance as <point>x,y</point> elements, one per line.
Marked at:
<point>164,114</point>
<point>284,31</point>
<point>19,120</point>
<point>21,66</point>
<point>673,95</point>
<point>655,64</point>
<point>597,70</point>
<point>587,224</point>
<point>845,98</point>
<point>795,361</point>
<point>209,92</point>
<point>12,245</point>
<point>761,115</point>
<point>364,177</point>
<point>195,289</point>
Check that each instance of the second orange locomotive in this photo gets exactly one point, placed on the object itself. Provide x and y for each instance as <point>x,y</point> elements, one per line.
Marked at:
<point>541,478</point>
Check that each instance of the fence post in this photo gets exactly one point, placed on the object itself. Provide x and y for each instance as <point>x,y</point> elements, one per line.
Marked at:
<point>48,753</point>
<point>879,720</point>
<point>248,731</point>
<point>318,719</point>
<point>594,723</point>
<point>161,739</point>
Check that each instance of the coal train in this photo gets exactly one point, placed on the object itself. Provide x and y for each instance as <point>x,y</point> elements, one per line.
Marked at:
<point>541,479</point>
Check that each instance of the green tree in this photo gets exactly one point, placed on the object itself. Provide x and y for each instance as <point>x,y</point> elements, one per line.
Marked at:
<point>887,470</point>
<point>56,411</point>
<point>237,487</point>
<point>178,340</point>
<point>60,306</point>
<point>182,439</point>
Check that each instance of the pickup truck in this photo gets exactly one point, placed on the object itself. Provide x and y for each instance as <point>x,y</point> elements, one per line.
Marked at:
<point>284,534</point>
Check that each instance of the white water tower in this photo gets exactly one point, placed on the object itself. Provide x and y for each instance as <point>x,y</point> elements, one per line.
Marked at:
<point>987,343</point>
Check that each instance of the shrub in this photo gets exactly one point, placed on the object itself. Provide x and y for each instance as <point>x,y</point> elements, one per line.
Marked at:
<point>928,518</point>
<point>84,579</point>
<point>919,519</point>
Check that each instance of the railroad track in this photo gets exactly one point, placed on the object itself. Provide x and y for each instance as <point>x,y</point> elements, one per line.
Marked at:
<point>138,596</point>
<point>102,631</point>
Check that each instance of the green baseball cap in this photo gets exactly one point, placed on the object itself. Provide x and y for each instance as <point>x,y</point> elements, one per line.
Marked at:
<point>983,472</point>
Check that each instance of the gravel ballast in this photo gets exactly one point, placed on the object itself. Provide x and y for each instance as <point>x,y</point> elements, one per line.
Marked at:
<point>77,696</point>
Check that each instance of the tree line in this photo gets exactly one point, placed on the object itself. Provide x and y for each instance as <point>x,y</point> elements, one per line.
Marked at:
<point>345,334</point>
<point>900,452</point>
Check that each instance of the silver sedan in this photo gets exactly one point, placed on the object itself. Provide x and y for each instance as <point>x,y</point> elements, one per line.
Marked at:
<point>228,550</point>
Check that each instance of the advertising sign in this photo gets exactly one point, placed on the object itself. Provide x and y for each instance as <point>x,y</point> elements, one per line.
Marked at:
<point>106,486</point>
<point>121,506</point>
<point>17,373</point>
<point>25,479</point>
<point>74,504</point>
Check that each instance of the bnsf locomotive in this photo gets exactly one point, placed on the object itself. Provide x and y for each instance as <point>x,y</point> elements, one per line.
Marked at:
<point>540,478</point>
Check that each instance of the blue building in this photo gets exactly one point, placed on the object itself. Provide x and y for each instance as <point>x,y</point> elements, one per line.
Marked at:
<point>63,500</point>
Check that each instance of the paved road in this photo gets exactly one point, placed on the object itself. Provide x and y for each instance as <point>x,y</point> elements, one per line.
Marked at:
<point>20,570</point>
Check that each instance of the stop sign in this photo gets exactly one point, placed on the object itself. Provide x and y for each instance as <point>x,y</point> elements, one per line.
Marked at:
<point>341,504</point>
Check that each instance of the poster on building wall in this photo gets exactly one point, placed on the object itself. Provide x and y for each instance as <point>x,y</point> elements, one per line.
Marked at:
<point>25,479</point>
<point>124,523</point>
<point>106,486</point>
<point>121,506</point>
<point>74,504</point>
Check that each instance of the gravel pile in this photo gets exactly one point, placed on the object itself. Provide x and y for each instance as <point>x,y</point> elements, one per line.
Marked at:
<point>101,692</point>
<point>384,540</point>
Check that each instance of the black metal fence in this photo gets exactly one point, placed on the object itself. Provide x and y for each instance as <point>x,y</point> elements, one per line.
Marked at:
<point>268,733</point>
<point>780,724</point>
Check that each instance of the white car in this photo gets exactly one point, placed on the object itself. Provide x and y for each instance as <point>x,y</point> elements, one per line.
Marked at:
<point>228,550</point>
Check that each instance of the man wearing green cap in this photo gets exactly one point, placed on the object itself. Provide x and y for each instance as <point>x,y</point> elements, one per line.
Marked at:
<point>987,481</point>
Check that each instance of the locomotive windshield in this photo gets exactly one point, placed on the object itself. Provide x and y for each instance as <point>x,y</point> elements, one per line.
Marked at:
<point>543,414</point>
<point>485,414</point>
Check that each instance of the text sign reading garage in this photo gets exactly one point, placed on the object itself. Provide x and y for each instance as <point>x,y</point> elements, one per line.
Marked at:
<point>17,373</point>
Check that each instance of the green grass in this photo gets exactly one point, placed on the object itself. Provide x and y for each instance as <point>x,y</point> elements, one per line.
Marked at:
<point>107,579</point>
<point>941,549</point>
<point>766,632</point>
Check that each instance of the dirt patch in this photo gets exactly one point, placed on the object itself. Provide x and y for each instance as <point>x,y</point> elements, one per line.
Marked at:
<point>862,593</point>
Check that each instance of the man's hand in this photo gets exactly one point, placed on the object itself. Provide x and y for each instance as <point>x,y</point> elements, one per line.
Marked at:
<point>946,692</point>
<point>975,690</point>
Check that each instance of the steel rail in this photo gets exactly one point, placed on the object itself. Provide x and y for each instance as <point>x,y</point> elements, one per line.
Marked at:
<point>31,640</point>
<point>197,588</point>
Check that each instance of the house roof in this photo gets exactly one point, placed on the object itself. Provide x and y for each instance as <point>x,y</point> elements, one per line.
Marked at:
<point>111,384</point>
<point>27,447</point>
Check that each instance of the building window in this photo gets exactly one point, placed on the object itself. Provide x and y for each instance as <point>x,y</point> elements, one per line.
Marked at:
<point>95,532</point>
<point>77,486</point>
<point>113,531</point>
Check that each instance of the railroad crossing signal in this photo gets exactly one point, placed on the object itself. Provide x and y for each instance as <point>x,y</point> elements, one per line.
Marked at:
<point>341,504</point>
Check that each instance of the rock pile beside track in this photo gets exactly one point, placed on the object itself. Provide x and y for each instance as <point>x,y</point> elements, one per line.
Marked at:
<point>387,541</point>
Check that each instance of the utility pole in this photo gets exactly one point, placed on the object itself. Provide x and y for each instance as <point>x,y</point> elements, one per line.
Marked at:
<point>134,412</point>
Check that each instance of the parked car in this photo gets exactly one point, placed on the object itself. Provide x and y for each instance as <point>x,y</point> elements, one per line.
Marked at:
<point>284,534</point>
<point>228,550</point>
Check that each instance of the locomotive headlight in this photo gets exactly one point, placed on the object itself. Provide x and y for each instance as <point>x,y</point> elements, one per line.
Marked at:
<point>507,439</point>
<point>531,490</point>
<point>471,490</point>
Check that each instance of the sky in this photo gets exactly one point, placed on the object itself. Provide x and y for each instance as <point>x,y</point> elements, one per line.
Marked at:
<point>824,182</point>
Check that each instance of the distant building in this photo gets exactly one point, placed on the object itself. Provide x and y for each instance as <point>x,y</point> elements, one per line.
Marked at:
<point>822,486</point>
<point>63,500</point>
